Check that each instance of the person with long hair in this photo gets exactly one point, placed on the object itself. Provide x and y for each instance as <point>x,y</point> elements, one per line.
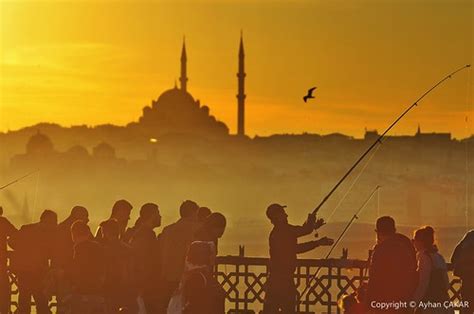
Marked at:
<point>433,282</point>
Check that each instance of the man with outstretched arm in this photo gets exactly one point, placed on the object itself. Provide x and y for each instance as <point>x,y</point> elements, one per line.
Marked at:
<point>281,293</point>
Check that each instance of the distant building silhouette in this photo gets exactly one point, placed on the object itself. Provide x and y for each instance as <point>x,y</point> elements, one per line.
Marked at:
<point>78,152</point>
<point>177,112</point>
<point>183,79</point>
<point>241,88</point>
<point>39,144</point>
<point>103,151</point>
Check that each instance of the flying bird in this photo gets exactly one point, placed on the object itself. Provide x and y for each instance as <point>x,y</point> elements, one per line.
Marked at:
<point>310,94</point>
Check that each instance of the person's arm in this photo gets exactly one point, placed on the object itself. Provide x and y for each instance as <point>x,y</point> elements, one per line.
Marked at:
<point>311,245</point>
<point>307,227</point>
<point>374,275</point>
<point>424,272</point>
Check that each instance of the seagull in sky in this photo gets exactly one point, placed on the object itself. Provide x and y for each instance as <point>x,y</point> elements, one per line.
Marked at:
<point>310,94</point>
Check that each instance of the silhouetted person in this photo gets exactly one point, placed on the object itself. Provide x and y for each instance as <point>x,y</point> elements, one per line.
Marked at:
<point>212,229</point>
<point>433,281</point>
<point>280,292</point>
<point>203,213</point>
<point>62,261</point>
<point>87,273</point>
<point>33,246</point>
<point>120,212</point>
<point>463,263</point>
<point>145,252</point>
<point>349,304</point>
<point>119,287</point>
<point>174,242</point>
<point>392,271</point>
<point>201,292</point>
<point>7,230</point>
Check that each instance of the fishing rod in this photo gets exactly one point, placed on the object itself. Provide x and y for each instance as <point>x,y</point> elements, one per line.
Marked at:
<point>349,224</point>
<point>379,139</point>
<point>17,180</point>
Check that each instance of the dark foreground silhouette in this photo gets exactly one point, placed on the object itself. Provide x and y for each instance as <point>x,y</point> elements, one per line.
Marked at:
<point>132,270</point>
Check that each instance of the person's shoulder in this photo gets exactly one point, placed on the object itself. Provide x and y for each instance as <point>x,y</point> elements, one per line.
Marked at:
<point>402,238</point>
<point>169,228</point>
<point>29,227</point>
<point>196,278</point>
<point>439,260</point>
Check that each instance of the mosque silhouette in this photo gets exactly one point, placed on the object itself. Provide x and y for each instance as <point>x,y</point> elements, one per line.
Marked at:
<point>177,111</point>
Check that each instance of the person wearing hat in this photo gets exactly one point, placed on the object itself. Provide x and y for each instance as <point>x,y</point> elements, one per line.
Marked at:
<point>392,270</point>
<point>281,291</point>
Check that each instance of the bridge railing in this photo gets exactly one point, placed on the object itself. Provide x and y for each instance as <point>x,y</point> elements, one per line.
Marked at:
<point>243,279</point>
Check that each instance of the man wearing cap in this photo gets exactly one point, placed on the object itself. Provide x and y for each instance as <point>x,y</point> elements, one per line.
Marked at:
<point>281,291</point>
<point>392,272</point>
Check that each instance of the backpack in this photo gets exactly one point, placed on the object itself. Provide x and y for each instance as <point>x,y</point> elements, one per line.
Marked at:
<point>437,290</point>
<point>177,301</point>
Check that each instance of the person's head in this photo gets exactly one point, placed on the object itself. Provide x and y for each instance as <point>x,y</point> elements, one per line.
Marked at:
<point>203,213</point>
<point>121,211</point>
<point>347,303</point>
<point>188,209</point>
<point>385,228</point>
<point>49,218</point>
<point>277,214</point>
<point>80,213</point>
<point>110,229</point>
<point>200,253</point>
<point>80,232</point>
<point>423,239</point>
<point>215,223</point>
<point>150,214</point>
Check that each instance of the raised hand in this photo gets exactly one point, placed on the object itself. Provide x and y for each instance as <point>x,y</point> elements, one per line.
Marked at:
<point>311,220</point>
<point>319,223</point>
<point>325,241</point>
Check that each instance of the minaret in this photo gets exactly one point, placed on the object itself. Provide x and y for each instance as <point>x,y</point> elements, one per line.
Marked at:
<point>241,91</point>
<point>183,79</point>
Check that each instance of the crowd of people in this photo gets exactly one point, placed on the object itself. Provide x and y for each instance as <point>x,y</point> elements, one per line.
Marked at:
<point>119,269</point>
<point>405,276</point>
<point>122,269</point>
<point>411,276</point>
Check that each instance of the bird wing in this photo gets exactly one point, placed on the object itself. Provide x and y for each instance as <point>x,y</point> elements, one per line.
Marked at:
<point>310,91</point>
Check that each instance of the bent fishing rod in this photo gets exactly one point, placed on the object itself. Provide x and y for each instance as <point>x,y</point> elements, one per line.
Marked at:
<point>379,139</point>
<point>349,224</point>
<point>17,180</point>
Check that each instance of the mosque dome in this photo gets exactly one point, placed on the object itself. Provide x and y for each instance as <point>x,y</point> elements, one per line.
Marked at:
<point>175,96</point>
<point>39,144</point>
<point>175,111</point>
<point>103,151</point>
<point>78,151</point>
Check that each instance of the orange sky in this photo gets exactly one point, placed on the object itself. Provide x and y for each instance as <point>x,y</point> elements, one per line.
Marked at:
<point>93,62</point>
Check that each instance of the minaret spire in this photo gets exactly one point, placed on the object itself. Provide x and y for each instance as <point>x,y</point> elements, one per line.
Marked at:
<point>183,79</point>
<point>241,90</point>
